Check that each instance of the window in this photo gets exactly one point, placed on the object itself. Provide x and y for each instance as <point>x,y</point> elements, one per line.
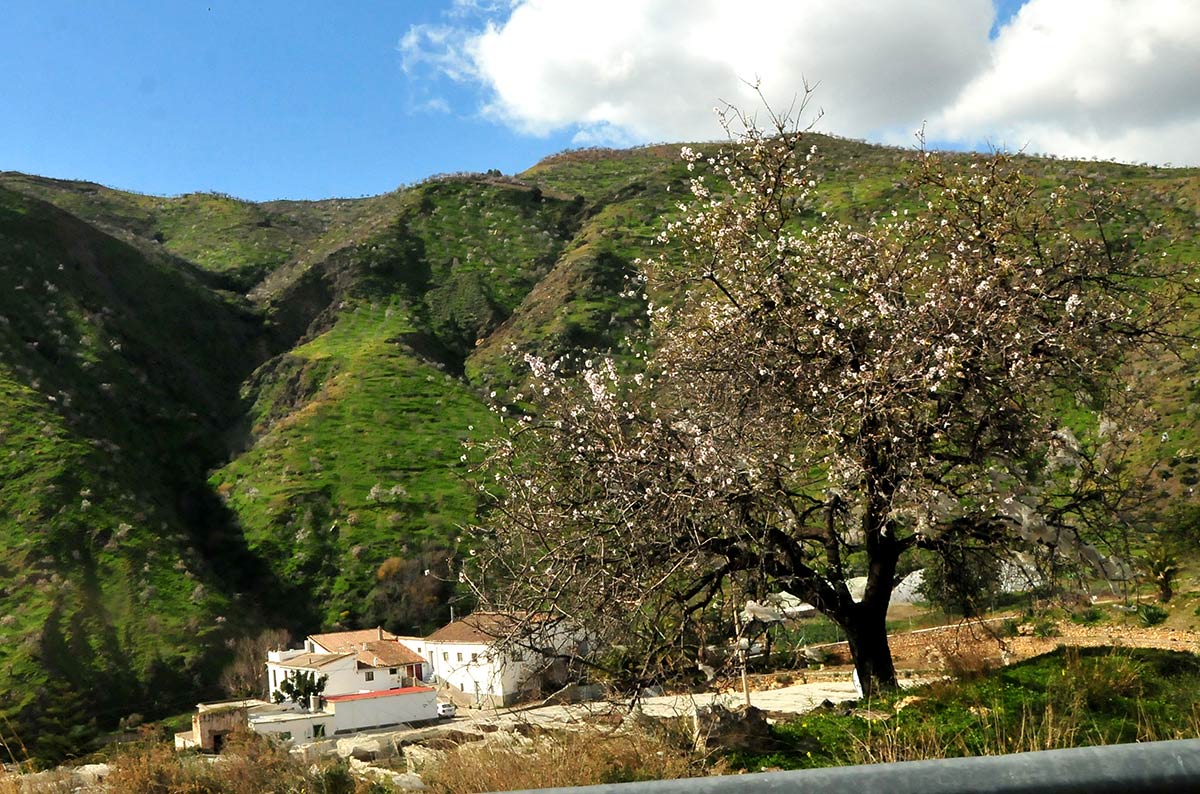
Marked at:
<point>445,656</point>
<point>474,657</point>
<point>286,736</point>
<point>391,671</point>
<point>318,731</point>
<point>274,679</point>
<point>460,656</point>
<point>369,675</point>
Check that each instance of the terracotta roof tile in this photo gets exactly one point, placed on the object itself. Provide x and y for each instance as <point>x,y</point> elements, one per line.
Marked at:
<point>341,641</point>
<point>311,660</point>
<point>479,627</point>
<point>386,653</point>
<point>383,693</point>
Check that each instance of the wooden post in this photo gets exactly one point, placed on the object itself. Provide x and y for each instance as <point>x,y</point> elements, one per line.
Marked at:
<point>745,654</point>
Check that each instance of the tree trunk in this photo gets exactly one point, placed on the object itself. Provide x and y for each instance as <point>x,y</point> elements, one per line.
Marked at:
<point>867,635</point>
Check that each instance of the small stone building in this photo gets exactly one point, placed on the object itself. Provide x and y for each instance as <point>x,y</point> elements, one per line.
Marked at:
<point>212,722</point>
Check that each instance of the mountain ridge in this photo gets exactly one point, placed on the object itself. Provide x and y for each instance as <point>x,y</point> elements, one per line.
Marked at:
<point>265,402</point>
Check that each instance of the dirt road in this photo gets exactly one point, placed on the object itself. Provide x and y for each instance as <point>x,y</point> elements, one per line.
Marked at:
<point>794,699</point>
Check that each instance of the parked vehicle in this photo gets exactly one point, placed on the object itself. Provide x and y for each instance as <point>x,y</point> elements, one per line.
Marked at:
<point>446,709</point>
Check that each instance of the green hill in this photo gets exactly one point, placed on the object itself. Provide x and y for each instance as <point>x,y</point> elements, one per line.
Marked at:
<point>218,415</point>
<point>119,373</point>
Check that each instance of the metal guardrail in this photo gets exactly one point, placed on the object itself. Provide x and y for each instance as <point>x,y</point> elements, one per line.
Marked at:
<point>1172,766</point>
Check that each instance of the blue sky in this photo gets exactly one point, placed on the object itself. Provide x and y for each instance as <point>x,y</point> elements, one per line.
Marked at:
<point>258,99</point>
<point>300,99</point>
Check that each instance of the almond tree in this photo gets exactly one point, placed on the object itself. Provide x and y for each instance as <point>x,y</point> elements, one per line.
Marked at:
<point>821,400</point>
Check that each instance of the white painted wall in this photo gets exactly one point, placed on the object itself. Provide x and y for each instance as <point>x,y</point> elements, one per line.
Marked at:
<point>300,726</point>
<point>477,669</point>
<point>344,675</point>
<point>355,715</point>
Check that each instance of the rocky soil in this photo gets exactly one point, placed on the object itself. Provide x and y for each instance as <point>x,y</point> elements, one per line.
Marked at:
<point>975,644</point>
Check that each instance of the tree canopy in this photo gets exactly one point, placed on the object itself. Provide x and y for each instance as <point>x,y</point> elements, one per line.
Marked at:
<point>820,400</point>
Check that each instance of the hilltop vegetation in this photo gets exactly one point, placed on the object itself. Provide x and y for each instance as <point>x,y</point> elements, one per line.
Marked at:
<point>218,416</point>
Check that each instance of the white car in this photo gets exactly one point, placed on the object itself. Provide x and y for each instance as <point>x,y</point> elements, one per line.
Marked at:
<point>446,709</point>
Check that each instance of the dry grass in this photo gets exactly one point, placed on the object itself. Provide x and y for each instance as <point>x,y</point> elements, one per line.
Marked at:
<point>964,659</point>
<point>1047,729</point>
<point>54,782</point>
<point>1068,698</point>
<point>576,758</point>
<point>250,764</point>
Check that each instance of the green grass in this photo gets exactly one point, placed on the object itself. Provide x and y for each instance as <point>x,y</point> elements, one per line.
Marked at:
<point>240,241</point>
<point>597,173</point>
<point>109,386</point>
<point>1068,698</point>
<point>361,466</point>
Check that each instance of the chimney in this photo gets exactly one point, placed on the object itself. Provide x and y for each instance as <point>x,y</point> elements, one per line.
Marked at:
<point>380,630</point>
<point>314,702</point>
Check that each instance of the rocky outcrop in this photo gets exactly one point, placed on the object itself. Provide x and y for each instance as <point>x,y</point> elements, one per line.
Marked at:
<point>715,727</point>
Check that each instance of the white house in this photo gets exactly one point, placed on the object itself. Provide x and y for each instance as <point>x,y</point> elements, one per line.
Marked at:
<point>342,641</point>
<point>492,658</point>
<point>291,724</point>
<point>349,713</point>
<point>382,643</point>
<point>380,709</point>
<point>371,681</point>
<point>370,660</point>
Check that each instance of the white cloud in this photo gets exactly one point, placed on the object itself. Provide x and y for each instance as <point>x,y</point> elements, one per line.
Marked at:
<point>442,48</point>
<point>1115,78</point>
<point>436,104</point>
<point>1109,78</point>
<point>653,69</point>
<point>466,9</point>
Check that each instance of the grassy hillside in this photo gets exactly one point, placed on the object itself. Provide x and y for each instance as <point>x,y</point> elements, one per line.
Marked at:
<point>355,460</point>
<point>211,408</point>
<point>117,373</point>
<point>354,438</point>
<point>238,241</point>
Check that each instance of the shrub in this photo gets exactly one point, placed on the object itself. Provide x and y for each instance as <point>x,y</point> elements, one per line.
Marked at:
<point>1044,626</point>
<point>249,764</point>
<point>1093,681</point>
<point>970,658</point>
<point>1008,628</point>
<point>1088,616</point>
<point>1151,614</point>
<point>1162,567</point>
<point>571,759</point>
<point>962,581</point>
